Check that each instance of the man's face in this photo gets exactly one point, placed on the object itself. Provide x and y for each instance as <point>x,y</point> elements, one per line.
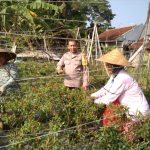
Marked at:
<point>72,46</point>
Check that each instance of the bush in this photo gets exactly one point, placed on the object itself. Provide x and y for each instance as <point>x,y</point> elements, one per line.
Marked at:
<point>44,114</point>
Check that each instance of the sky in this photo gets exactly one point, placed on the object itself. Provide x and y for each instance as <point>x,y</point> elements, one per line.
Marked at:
<point>129,12</point>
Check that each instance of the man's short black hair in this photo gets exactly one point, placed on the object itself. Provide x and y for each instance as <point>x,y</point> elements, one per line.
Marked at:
<point>73,40</point>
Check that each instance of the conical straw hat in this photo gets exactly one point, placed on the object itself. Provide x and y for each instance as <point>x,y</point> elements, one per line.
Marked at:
<point>115,57</point>
<point>9,54</point>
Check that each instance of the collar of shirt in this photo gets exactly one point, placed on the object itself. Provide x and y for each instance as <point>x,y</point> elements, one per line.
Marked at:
<point>73,54</point>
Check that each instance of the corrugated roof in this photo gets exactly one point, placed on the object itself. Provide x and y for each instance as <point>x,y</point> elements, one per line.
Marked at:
<point>131,35</point>
<point>113,34</point>
<point>145,33</point>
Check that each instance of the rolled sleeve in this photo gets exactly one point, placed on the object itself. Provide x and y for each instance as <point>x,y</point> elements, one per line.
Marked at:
<point>99,93</point>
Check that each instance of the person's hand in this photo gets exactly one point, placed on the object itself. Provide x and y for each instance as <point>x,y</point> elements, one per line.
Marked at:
<point>2,89</point>
<point>92,98</point>
<point>85,88</point>
<point>60,71</point>
<point>93,95</point>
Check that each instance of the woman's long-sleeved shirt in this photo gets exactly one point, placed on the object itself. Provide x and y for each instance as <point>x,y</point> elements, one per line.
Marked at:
<point>124,88</point>
<point>75,75</point>
<point>8,75</point>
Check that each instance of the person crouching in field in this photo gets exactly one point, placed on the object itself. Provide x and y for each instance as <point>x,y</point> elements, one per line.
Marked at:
<point>8,71</point>
<point>121,89</point>
<point>8,75</point>
<point>76,75</point>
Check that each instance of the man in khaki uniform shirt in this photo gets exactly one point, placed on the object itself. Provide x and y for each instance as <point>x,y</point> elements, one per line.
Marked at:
<point>71,64</point>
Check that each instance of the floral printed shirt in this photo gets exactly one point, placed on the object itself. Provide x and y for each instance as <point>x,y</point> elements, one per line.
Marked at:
<point>8,75</point>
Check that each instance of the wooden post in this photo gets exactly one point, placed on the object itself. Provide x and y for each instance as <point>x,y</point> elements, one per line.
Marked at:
<point>45,49</point>
<point>78,34</point>
<point>148,72</point>
<point>146,29</point>
<point>100,50</point>
<point>13,49</point>
<point>90,50</point>
<point>136,53</point>
<point>96,48</point>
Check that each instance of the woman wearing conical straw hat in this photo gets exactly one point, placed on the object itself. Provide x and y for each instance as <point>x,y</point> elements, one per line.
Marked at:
<point>8,71</point>
<point>121,89</point>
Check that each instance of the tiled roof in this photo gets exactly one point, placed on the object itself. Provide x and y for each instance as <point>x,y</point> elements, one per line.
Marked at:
<point>113,34</point>
<point>137,44</point>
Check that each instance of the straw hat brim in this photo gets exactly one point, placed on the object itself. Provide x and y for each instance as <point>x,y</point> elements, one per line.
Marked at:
<point>9,55</point>
<point>115,57</point>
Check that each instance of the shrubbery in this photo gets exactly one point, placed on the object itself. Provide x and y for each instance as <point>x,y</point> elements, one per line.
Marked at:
<point>43,114</point>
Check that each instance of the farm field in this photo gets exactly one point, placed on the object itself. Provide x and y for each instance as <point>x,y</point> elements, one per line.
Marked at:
<point>43,114</point>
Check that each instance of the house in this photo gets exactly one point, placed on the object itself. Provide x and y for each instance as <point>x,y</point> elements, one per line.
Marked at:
<point>142,46</point>
<point>143,38</point>
<point>121,37</point>
<point>136,45</point>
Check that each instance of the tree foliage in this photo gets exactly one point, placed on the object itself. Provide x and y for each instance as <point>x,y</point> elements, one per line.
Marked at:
<point>54,19</point>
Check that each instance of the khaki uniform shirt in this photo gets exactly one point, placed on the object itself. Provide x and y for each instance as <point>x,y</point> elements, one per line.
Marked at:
<point>75,74</point>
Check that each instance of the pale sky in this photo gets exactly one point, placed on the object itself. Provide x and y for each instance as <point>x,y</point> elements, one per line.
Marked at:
<point>129,12</point>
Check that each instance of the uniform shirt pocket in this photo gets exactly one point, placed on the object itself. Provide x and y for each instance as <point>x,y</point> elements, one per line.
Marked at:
<point>67,62</point>
<point>77,62</point>
<point>77,65</point>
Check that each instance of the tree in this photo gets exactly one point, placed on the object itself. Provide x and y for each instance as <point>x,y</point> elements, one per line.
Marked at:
<point>54,19</point>
<point>88,11</point>
<point>26,17</point>
<point>85,13</point>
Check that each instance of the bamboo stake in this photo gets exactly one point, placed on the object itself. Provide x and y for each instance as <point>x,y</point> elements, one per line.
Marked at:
<point>90,51</point>
<point>148,71</point>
